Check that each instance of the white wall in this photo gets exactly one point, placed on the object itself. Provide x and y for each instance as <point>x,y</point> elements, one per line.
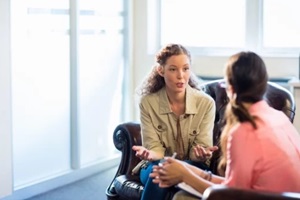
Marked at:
<point>5,103</point>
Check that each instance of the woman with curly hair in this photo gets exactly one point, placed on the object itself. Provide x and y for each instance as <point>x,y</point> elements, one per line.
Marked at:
<point>176,116</point>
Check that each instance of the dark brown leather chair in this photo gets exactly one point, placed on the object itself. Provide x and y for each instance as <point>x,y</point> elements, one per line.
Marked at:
<point>128,186</point>
<point>221,192</point>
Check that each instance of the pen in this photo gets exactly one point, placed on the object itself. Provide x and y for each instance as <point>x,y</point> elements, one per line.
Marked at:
<point>174,155</point>
<point>163,160</point>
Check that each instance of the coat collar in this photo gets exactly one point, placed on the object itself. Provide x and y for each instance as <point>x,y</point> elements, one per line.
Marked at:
<point>190,101</point>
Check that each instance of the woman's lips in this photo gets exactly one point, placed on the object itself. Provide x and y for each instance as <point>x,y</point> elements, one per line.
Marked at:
<point>179,85</point>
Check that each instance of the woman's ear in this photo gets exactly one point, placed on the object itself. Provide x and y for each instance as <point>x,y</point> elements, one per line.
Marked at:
<point>160,70</point>
<point>230,92</point>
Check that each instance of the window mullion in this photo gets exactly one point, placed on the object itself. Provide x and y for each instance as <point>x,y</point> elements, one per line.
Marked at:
<point>253,25</point>
<point>74,34</point>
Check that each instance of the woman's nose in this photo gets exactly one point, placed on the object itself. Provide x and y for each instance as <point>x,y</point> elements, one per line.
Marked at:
<point>180,74</point>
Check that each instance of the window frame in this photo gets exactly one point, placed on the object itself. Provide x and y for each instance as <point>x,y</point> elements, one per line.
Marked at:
<point>253,37</point>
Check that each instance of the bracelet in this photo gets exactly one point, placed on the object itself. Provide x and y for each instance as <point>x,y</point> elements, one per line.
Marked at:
<point>208,176</point>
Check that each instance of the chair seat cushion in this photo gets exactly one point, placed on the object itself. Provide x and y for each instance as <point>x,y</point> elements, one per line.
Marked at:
<point>128,187</point>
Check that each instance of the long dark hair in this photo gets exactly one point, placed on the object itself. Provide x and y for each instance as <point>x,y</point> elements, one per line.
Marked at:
<point>247,75</point>
<point>154,81</point>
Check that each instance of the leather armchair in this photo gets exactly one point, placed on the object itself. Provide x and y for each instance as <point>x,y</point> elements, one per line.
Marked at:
<point>128,186</point>
<point>221,192</point>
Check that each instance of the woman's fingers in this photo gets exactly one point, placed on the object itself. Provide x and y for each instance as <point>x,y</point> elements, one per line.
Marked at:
<point>199,151</point>
<point>141,152</point>
<point>213,148</point>
<point>162,183</point>
<point>202,152</point>
<point>134,147</point>
<point>169,160</point>
<point>210,150</point>
<point>154,174</point>
<point>167,174</point>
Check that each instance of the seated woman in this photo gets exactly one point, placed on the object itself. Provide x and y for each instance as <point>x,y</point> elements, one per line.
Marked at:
<point>260,146</point>
<point>175,117</point>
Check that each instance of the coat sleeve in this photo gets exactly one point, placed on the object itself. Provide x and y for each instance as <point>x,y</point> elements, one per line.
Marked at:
<point>150,139</point>
<point>206,125</point>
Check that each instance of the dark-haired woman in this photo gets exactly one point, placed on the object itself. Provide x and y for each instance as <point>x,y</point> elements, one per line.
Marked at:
<point>175,117</point>
<point>261,147</point>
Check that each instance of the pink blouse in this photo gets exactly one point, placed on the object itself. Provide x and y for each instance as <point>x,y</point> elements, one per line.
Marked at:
<point>267,158</point>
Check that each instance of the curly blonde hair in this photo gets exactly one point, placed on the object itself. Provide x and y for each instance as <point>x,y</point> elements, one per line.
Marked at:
<point>154,82</point>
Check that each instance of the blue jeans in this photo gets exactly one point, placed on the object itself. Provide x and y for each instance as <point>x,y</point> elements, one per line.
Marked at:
<point>152,190</point>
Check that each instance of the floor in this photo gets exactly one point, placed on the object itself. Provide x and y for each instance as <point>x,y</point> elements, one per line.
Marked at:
<point>91,188</point>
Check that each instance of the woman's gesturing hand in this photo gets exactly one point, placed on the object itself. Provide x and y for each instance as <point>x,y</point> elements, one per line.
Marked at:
<point>142,153</point>
<point>204,153</point>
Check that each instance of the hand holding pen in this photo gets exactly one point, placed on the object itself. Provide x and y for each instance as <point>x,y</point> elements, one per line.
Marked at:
<point>163,160</point>
<point>169,173</point>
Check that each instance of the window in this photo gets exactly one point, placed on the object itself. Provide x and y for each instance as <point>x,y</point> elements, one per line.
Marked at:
<point>65,103</point>
<point>40,89</point>
<point>281,24</point>
<point>100,77</point>
<point>220,27</point>
<point>201,23</point>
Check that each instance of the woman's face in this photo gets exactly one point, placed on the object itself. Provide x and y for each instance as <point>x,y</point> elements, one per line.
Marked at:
<point>176,73</point>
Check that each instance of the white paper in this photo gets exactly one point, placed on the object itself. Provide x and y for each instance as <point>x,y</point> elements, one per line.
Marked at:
<point>189,189</point>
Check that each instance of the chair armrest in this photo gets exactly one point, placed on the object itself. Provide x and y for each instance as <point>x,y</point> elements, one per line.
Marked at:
<point>125,136</point>
<point>221,192</point>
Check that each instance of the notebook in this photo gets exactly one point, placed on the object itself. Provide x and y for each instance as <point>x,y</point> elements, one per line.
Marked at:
<point>189,189</point>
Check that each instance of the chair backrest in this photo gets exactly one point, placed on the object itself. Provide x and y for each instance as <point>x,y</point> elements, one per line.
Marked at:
<point>276,96</point>
<point>222,192</point>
